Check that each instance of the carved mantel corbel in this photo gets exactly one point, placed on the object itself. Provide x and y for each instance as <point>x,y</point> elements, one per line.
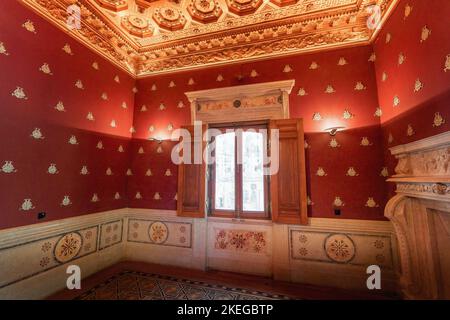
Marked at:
<point>422,179</point>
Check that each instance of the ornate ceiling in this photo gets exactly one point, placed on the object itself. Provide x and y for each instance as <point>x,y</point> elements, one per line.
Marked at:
<point>147,37</point>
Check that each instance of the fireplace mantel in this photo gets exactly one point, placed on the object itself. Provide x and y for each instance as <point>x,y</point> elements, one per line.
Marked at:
<point>420,213</point>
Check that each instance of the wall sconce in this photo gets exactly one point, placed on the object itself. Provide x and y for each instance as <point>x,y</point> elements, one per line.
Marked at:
<point>159,140</point>
<point>333,130</point>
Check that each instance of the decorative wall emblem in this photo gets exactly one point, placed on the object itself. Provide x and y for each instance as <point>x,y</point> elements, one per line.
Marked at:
<point>347,115</point>
<point>360,86</point>
<point>8,167</point>
<point>396,101</point>
<point>204,10</point>
<point>351,172</point>
<point>67,49</point>
<point>154,88</point>
<point>240,240</point>
<point>329,89</point>
<point>109,172</point>
<point>418,85</point>
<point>29,26</point>
<point>66,201</point>
<point>287,69</point>
<point>144,108</point>
<point>37,134</point>
<point>401,59</point>
<point>169,18</point>
<point>52,169</point>
<point>321,172</point>
<point>3,49</point>
<point>117,196</point>
<point>19,93</point>
<point>342,62</point>
<point>60,107</point>
<point>27,205</point>
<point>158,232</point>
<point>254,73</point>
<point>425,34</point>
<point>95,65</point>
<point>84,171</point>
<point>100,145</point>
<point>113,124</point>
<point>134,90</point>
<point>159,150</point>
<point>191,82</point>
<point>129,173</point>
<point>120,149</point>
<point>334,143</point>
<point>410,131</point>
<point>438,120</point>
<point>151,128</point>
<point>388,38</point>
<point>138,196</point>
<point>339,248</point>
<point>365,142</point>
<point>45,68</point>
<point>408,10</point>
<point>447,63</point>
<point>302,92</point>
<point>68,247</point>
<point>73,140</point>
<point>117,79</point>
<point>79,85</point>
<point>148,173</point>
<point>316,116</point>
<point>124,105</point>
<point>373,57</point>
<point>95,198</point>
<point>141,150</point>
<point>371,203</point>
<point>162,107</point>
<point>309,201</point>
<point>378,112</point>
<point>168,173</point>
<point>338,202</point>
<point>157,196</point>
<point>219,78</point>
<point>390,138</point>
<point>384,77</point>
<point>314,66</point>
<point>172,84</point>
<point>104,96</point>
<point>90,116</point>
<point>384,172</point>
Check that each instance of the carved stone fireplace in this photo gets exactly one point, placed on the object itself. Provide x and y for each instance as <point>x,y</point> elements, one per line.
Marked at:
<point>420,213</point>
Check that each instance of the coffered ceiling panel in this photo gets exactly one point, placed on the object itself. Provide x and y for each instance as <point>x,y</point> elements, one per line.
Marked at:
<point>148,37</point>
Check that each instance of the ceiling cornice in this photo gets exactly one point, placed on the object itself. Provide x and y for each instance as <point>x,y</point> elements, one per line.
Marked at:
<point>323,26</point>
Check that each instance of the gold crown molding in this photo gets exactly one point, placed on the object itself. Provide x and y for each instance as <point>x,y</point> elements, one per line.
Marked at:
<point>330,25</point>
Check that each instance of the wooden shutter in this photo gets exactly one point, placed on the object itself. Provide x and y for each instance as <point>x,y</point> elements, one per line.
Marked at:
<point>191,179</point>
<point>288,185</point>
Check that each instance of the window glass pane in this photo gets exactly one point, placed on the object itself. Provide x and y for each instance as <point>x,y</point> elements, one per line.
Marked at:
<point>252,171</point>
<point>225,163</point>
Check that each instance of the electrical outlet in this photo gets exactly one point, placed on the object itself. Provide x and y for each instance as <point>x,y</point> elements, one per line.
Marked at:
<point>41,215</point>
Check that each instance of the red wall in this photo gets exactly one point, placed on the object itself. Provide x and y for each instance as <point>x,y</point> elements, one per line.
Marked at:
<point>367,161</point>
<point>425,60</point>
<point>27,52</point>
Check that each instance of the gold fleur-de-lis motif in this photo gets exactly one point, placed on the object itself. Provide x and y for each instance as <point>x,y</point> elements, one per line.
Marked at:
<point>60,106</point>
<point>384,172</point>
<point>141,150</point>
<point>219,78</point>
<point>309,201</point>
<point>175,197</point>
<point>373,57</point>
<point>302,92</point>
<point>151,128</point>
<point>396,101</point>
<point>401,58</point>
<point>351,172</point>
<point>388,38</point>
<point>384,77</point>
<point>95,65</point>
<point>138,195</point>
<point>79,84</point>
<point>52,169</point>
<point>329,89</point>
<point>8,167</point>
<point>113,124</point>
<point>67,49</point>
<point>37,134</point>
<point>168,173</point>
<point>27,205</point>
<point>66,201</point>
<point>170,127</point>
<point>162,107</point>
<point>371,203</point>
<point>104,96</point>
<point>321,172</point>
<point>447,63</point>
<point>307,146</point>
<point>316,116</point>
<point>148,173</point>
<point>378,112</point>
<point>418,85</point>
<point>157,196</point>
<point>390,138</point>
<point>180,104</point>
<point>425,34</point>
<point>117,79</point>
<point>408,10</point>
<point>129,172</point>
<point>45,68</point>
<point>360,86</point>
<point>73,140</point>
<point>287,69</point>
<point>134,90</point>
<point>3,49</point>
<point>172,84</point>
<point>144,108</point>
<point>410,131</point>
<point>120,149</point>
<point>19,93</point>
<point>338,202</point>
<point>100,145</point>
<point>124,105</point>
<point>438,120</point>
<point>117,196</point>
<point>347,115</point>
<point>342,62</point>
<point>191,82</point>
<point>334,143</point>
<point>84,171</point>
<point>95,198</point>
<point>154,88</point>
<point>314,66</point>
<point>254,73</point>
<point>90,116</point>
<point>29,26</point>
<point>159,150</point>
<point>365,142</point>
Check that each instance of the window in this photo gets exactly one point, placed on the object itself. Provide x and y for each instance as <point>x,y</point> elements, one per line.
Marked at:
<point>237,186</point>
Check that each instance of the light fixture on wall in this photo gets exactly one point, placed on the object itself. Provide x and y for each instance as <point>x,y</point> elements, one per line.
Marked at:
<point>333,130</point>
<point>157,139</point>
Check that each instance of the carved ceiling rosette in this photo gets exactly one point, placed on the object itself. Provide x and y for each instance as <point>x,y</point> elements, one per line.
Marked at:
<point>204,10</point>
<point>283,3</point>
<point>169,18</point>
<point>242,7</point>
<point>137,26</point>
<point>113,5</point>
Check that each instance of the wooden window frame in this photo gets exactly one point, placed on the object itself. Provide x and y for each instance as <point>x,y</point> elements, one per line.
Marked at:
<point>238,212</point>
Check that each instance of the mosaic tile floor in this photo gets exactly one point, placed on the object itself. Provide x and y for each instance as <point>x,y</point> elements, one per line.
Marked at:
<point>132,285</point>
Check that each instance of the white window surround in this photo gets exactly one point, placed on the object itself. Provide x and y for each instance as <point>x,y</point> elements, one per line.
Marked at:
<point>280,89</point>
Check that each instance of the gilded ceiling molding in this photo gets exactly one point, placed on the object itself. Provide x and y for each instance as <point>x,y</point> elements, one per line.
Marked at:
<point>152,37</point>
